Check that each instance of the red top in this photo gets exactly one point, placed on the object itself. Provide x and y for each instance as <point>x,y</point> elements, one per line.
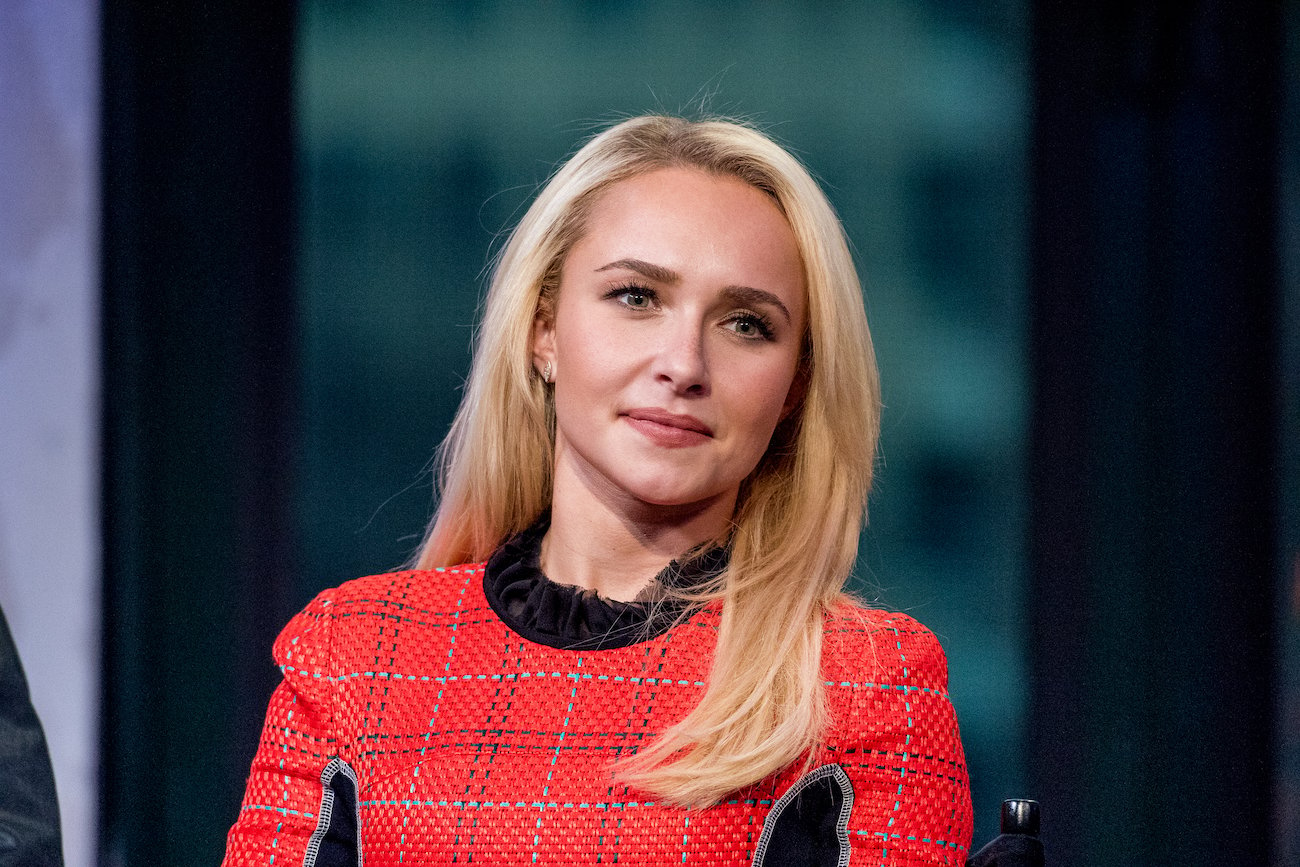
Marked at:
<point>469,743</point>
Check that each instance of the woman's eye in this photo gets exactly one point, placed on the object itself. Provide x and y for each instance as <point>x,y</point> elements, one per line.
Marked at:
<point>751,326</point>
<point>635,297</point>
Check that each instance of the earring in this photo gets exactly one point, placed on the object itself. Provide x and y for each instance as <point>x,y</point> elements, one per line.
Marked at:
<point>546,373</point>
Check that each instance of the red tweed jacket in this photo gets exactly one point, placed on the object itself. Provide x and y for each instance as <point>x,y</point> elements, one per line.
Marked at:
<point>414,726</point>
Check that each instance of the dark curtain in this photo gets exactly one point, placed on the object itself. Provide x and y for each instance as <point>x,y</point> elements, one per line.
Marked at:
<point>199,384</point>
<point>1154,460</point>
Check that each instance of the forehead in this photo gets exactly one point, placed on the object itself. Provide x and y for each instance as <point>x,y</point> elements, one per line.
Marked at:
<point>695,222</point>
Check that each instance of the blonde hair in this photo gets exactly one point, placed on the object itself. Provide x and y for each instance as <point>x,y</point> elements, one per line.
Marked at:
<point>799,514</point>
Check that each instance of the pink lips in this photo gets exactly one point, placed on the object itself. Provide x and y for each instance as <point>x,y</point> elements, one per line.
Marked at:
<point>668,428</point>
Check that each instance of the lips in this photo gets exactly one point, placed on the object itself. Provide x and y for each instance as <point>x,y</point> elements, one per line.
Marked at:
<point>668,428</point>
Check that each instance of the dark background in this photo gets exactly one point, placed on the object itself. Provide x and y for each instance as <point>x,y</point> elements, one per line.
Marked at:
<point>1076,226</point>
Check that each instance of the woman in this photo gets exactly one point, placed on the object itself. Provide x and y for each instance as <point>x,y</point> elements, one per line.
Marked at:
<point>663,456</point>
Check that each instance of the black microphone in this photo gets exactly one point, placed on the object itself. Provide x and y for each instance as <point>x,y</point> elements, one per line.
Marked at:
<point>1020,816</point>
<point>1018,844</point>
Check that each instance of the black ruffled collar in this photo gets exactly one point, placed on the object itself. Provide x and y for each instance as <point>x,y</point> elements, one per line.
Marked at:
<point>571,618</point>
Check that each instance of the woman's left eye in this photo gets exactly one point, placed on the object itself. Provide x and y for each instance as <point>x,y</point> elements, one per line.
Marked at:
<point>750,326</point>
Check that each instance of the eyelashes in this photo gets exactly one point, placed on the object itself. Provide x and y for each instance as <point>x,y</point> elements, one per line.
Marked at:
<point>624,294</point>
<point>758,326</point>
<point>747,324</point>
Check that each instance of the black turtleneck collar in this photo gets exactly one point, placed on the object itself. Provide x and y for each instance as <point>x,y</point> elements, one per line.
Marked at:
<point>571,618</point>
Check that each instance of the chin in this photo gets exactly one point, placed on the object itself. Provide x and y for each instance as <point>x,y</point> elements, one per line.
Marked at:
<point>657,496</point>
<point>674,499</point>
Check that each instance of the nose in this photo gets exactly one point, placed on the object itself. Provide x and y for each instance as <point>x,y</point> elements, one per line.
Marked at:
<point>682,358</point>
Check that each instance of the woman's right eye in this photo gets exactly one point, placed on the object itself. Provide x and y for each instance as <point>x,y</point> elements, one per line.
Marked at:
<point>635,297</point>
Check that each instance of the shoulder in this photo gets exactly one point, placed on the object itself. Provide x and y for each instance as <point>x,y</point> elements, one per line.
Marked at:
<point>893,733</point>
<point>394,593</point>
<point>365,604</point>
<point>885,646</point>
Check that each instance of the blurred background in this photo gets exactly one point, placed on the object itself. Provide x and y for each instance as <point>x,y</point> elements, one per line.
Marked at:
<point>241,251</point>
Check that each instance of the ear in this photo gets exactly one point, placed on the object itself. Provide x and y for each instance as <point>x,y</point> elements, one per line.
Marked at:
<point>543,343</point>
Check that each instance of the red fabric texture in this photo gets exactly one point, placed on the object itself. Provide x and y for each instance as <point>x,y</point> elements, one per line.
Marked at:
<point>472,744</point>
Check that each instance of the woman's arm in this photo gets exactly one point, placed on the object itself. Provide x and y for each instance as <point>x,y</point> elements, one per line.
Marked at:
<point>890,785</point>
<point>912,793</point>
<point>301,796</point>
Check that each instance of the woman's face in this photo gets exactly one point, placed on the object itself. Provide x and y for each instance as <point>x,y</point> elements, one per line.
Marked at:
<point>675,340</point>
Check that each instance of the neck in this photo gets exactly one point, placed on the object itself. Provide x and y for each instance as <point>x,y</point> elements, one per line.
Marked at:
<point>614,544</point>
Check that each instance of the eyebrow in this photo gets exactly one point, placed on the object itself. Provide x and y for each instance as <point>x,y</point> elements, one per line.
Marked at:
<point>658,273</point>
<point>739,294</point>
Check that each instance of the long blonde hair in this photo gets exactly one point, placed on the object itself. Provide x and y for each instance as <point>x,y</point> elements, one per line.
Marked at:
<point>799,514</point>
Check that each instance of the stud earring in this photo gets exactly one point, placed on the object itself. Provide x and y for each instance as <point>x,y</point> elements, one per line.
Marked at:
<point>546,373</point>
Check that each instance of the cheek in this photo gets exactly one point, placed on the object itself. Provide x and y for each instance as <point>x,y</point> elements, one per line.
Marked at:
<point>592,364</point>
<point>583,362</point>
<point>760,402</point>
<point>582,332</point>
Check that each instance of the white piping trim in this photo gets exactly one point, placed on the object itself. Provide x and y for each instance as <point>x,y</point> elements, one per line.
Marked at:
<point>836,773</point>
<point>334,768</point>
